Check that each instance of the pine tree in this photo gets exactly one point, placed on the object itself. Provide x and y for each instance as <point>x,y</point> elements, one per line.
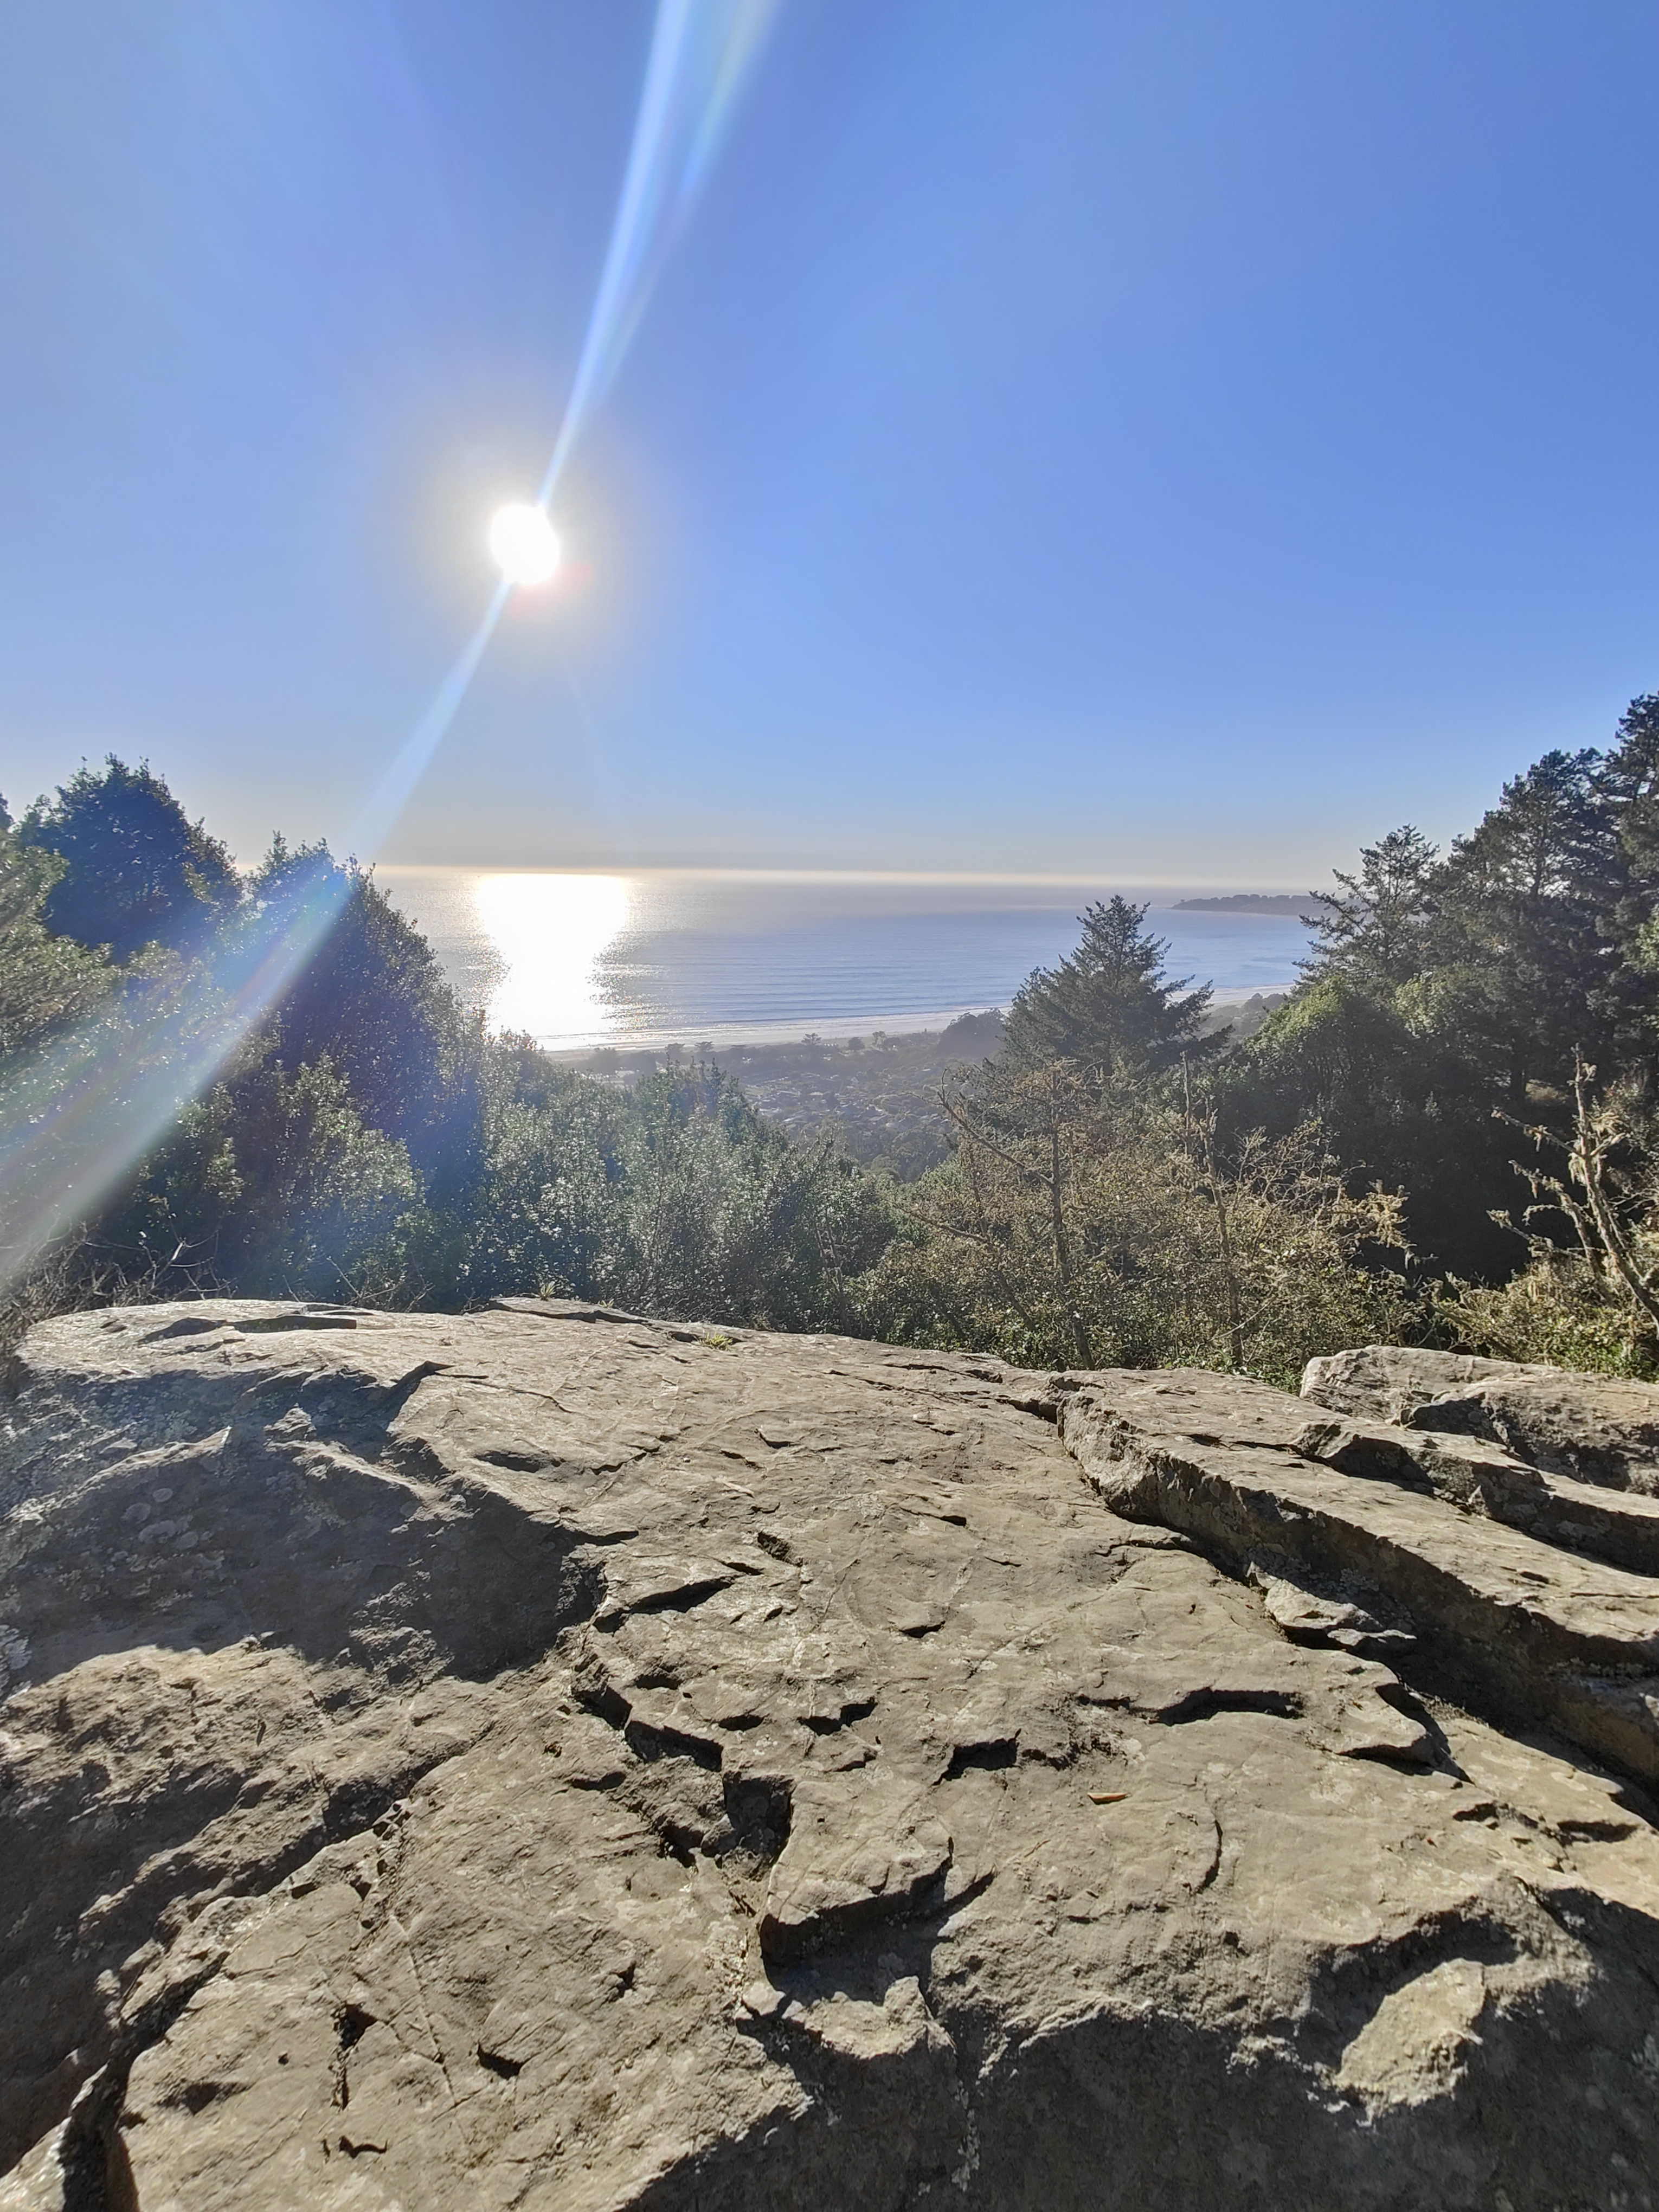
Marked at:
<point>1110,1005</point>
<point>1521,932</point>
<point>1375,929</point>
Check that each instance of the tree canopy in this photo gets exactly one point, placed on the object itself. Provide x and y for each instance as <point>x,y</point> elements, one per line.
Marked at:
<point>136,870</point>
<point>1110,1005</point>
<point>1112,1177</point>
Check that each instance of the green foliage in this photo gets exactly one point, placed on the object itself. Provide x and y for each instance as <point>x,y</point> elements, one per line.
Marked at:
<point>363,1137</point>
<point>674,1198</point>
<point>1444,991</point>
<point>1387,1079</point>
<point>1082,1222</point>
<point>724,1217</point>
<point>1590,1294</point>
<point>1629,784</point>
<point>1518,953</point>
<point>81,1105</point>
<point>1109,1006</point>
<point>1558,1310</point>
<point>135,870</point>
<point>272,1184</point>
<point>1123,1187</point>
<point>1374,929</point>
<point>374,1001</point>
<point>46,981</point>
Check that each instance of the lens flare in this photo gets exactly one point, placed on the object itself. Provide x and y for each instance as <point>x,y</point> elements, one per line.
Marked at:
<point>83,1116</point>
<point>702,52</point>
<point>524,544</point>
<point>80,1118</point>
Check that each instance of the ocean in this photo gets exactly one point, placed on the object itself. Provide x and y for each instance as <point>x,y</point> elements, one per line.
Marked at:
<point>577,958</point>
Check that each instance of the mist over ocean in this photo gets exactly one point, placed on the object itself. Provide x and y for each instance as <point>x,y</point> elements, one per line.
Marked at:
<point>575,958</point>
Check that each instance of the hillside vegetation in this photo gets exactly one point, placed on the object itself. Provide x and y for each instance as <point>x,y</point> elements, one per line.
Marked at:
<point>1447,1132</point>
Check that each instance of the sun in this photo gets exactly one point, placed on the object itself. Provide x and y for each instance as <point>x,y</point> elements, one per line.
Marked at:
<point>523,543</point>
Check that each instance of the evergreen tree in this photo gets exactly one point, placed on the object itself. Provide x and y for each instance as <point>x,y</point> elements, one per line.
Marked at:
<point>1399,1102</point>
<point>1376,928</point>
<point>1628,786</point>
<point>46,979</point>
<point>374,1001</point>
<point>135,870</point>
<point>1522,950</point>
<point>1109,1006</point>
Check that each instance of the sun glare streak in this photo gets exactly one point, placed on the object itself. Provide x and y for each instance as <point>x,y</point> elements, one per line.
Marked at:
<point>85,1115</point>
<point>381,809</point>
<point>702,52</point>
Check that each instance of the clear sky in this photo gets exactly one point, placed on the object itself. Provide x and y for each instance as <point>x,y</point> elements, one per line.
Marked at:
<point>1172,439</point>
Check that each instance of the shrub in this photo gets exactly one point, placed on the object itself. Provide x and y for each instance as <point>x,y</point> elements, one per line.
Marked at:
<point>1083,1224</point>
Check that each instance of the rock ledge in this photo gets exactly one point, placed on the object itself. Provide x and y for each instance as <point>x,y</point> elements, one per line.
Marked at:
<point>550,1759</point>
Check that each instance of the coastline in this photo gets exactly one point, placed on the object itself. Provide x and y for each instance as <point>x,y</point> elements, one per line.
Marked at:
<point>833,1029</point>
<point>638,963</point>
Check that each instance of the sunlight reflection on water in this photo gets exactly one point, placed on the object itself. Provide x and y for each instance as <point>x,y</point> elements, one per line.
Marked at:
<point>652,957</point>
<point>549,932</point>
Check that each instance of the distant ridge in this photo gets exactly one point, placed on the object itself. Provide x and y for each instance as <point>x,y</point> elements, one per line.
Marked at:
<point>1304,905</point>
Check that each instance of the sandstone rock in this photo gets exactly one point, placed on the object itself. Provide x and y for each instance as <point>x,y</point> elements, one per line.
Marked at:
<point>1390,1382</point>
<point>544,1758</point>
<point>1499,1614</point>
<point>1621,1527</point>
<point>1591,1428</point>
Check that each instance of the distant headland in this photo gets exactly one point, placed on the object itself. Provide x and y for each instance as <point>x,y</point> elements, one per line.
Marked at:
<point>1304,905</point>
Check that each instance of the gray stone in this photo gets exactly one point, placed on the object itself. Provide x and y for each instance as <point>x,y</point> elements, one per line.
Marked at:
<point>1598,1429</point>
<point>1487,1609</point>
<point>1390,1382</point>
<point>1619,1525</point>
<point>544,1758</point>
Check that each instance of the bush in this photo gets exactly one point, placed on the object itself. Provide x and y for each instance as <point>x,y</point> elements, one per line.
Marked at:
<point>1559,1310</point>
<point>271,1185</point>
<point>676,1199</point>
<point>1082,1224</point>
<point>46,981</point>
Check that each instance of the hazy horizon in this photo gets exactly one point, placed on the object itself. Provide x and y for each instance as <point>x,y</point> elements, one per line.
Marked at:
<point>1134,887</point>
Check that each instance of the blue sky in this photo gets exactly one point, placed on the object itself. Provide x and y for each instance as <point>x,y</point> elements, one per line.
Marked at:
<point>1165,440</point>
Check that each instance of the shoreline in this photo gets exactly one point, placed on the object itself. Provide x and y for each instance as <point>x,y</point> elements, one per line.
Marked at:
<point>581,965</point>
<point>831,1029</point>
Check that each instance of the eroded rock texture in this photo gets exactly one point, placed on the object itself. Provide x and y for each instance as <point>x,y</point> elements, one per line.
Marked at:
<point>546,1759</point>
<point>1600,1428</point>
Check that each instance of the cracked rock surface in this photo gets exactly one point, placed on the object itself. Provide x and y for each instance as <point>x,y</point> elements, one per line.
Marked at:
<point>542,1758</point>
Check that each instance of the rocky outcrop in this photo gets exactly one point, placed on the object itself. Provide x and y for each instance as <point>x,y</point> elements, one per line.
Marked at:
<point>544,1758</point>
<point>1592,1428</point>
<point>1469,1606</point>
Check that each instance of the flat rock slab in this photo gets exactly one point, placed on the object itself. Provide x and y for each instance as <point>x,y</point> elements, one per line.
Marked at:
<point>548,1759</point>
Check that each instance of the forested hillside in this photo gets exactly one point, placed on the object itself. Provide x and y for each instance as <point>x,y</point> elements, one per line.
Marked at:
<point>263,1084</point>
